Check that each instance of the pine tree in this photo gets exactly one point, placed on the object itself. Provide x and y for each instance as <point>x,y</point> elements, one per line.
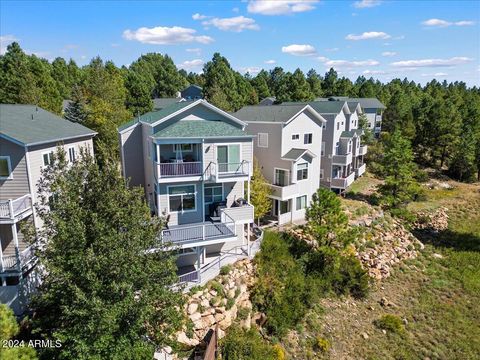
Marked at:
<point>259,193</point>
<point>464,162</point>
<point>104,293</point>
<point>367,137</point>
<point>75,110</point>
<point>315,82</point>
<point>8,330</point>
<point>398,167</point>
<point>139,99</point>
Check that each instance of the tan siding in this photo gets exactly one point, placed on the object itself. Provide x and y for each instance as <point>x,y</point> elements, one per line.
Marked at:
<point>18,186</point>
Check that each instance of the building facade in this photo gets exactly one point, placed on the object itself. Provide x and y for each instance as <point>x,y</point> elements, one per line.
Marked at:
<point>29,136</point>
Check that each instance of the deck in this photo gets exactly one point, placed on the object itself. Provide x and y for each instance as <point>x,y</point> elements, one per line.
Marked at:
<point>203,233</point>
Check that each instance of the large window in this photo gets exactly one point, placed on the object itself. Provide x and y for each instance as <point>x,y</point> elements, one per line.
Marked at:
<point>284,207</point>
<point>281,177</point>
<point>181,198</point>
<point>228,157</point>
<point>47,158</point>
<point>213,193</point>
<point>5,167</point>
<point>307,138</point>
<point>263,140</point>
<point>302,171</point>
<point>301,202</point>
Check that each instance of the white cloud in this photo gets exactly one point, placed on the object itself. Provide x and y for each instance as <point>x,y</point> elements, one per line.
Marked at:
<point>270,62</point>
<point>347,63</point>
<point>249,69</point>
<point>6,40</point>
<point>366,3</point>
<point>191,64</point>
<point>439,74</point>
<point>445,23</point>
<point>166,35</point>
<point>432,62</point>
<point>368,35</point>
<point>194,50</point>
<point>332,49</point>
<point>236,24</point>
<point>389,53</point>
<point>299,50</point>
<point>235,9</point>
<point>280,7</point>
<point>198,16</point>
<point>374,72</point>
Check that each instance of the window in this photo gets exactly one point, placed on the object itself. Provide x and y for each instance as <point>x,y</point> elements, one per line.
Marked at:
<point>337,148</point>
<point>295,136</point>
<point>284,207</point>
<point>350,146</point>
<point>71,154</point>
<point>181,198</point>
<point>182,147</point>
<point>5,168</point>
<point>322,151</point>
<point>228,158</point>
<point>263,140</point>
<point>338,125</point>
<point>281,177</point>
<point>321,173</point>
<point>302,171</point>
<point>301,202</point>
<point>307,138</point>
<point>213,193</point>
<point>47,158</point>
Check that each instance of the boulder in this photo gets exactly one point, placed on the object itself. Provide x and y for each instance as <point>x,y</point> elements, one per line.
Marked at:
<point>192,308</point>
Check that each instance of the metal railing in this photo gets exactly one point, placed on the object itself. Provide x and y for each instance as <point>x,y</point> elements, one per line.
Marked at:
<point>180,169</point>
<point>11,208</point>
<point>233,168</point>
<point>197,233</point>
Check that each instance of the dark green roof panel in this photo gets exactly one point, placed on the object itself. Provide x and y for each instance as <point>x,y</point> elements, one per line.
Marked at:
<point>199,129</point>
<point>274,113</point>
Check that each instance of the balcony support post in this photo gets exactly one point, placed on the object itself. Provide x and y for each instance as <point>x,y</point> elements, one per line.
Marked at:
<point>248,240</point>
<point>10,206</point>
<point>1,261</point>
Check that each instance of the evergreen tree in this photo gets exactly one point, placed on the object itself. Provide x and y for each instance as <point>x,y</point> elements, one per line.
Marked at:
<point>464,162</point>
<point>315,82</point>
<point>75,110</point>
<point>399,169</point>
<point>8,329</point>
<point>330,83</point>
<point>368,136</point>
<point>259,193</point>
<point>104,293</point>
<point>260,83</point>
<point>326,220</point>
<point>299,89</point>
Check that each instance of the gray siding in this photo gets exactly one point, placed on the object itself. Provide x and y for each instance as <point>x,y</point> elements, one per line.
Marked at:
<point>132,155</point>
<point>18,186</point>
<point>177,218</point>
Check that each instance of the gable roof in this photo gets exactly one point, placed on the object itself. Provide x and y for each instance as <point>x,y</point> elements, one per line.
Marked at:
<point>200,129</point>
<point>353,105</point>
<point>351,133</point>
<point>31,125</point>
<point>365,103</point>
<point>328,107</point>
<point>295,154</point>
<point>274,113</point>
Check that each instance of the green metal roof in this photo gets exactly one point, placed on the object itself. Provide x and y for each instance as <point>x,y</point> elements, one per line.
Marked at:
<point>200,129</point>
<point>161,103</point>
<point>30,124</point>
<point>327,107</point>
<point>352,105</point>
<point>274,113</point>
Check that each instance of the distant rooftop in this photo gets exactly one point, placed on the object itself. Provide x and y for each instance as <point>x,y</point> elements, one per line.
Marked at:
<point>275,113</point>
<point>30,124</point>
<point>321,107</point>
<point>160,103</point>
<point>365,103</point>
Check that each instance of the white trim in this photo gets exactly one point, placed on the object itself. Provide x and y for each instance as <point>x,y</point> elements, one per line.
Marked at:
<point>56,141</point>
<point>183,211</point>
<point>9,167</point>
<point>288,176</point>
<point>311,110</point>
<point>296,171</point>
<point>212,185</point>
<point>306,202</point>
<point>74,154</point>
<point>123,131</point>
<point>258,140</point>
<point>49,157</point>
<point>8,138</point>
<point>215,148</point>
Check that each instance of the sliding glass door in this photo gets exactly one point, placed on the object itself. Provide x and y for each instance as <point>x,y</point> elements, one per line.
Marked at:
<point>228,158</point>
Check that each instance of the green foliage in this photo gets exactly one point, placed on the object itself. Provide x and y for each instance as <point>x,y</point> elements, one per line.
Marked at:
<point>259,192</point>
<point>8,329</point>
<point>403,213</point>
<point>322,344</point>
<point>215,285</point>
<point>242,344</point>
<point>230,303</point>
<point>224,270</point>
<point>326,219</point>
<point>138,99</point>
<point>242,313</point>
<point>398,168</point>
<point>390,323</point>
<point>367,137</point>
<point>102,292</point>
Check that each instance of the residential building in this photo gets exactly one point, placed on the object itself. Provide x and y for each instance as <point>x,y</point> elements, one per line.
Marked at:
<point>288,139</point>
<point>268,101</point>
<point>28,137</point>
<point>192,92</point>
<point>194,162</point>
<point>160,103</point>
<point>371,107</point>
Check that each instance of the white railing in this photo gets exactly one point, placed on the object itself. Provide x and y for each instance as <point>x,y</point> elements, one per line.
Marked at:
<point>217,170</point>
<point>360,170</point>
<point>11,208</point>
<point>198,233</point>
<point>362,150</point>
<point>15,262</point>
<point>180,169</point>
<point>239,213</point>
<point>343,182</point>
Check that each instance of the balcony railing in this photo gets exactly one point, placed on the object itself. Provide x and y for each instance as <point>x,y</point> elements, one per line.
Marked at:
<point>285,192</point>
<point>10,209</point>
<point>18,261</point>
<point>343,182</point>
<point>185,236</point>
<point>239,214</point>
<point>180,169</point>
<point>342,159</point>
<point>362,150</point>
<point>360,170</point>
<point>227,170</point>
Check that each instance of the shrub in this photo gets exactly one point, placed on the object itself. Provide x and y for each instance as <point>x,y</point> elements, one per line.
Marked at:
<point>224,270</point>
<point>194,289</point>
<point>242,313</point>
<point>215,285</point>
<point>230,303</point>
<point>240,344</point>
<point>390,323</point>
<point>404,214</point>
<point>322,344</point>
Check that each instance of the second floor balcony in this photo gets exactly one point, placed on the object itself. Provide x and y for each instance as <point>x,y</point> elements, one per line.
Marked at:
<point>344,159</point>
<point>343,182</point>
<point>362,150</point>
<point>18,262</point>
<point>14,210</point>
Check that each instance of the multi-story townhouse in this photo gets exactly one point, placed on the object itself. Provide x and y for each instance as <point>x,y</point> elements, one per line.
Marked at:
<point>194,162</point>
<point>28,137</point>
<point>371,107</point>
<point>288,139</point>
<point>359,150</point>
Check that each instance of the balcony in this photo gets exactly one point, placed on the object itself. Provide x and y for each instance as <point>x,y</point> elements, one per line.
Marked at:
<point>285,192</point>
<point>15,263</point>
<point>227,171</point>
<point>362,150</point>
<point>360,170</point>
<point>200,234</point>
<point>180,169</point>
<point>343,182</point>
<point>239,214</point>
<point>342,159</point>
<point>12,211</point>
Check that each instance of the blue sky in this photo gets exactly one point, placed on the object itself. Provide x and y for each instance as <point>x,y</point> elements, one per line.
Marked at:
<point>384,39</point>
